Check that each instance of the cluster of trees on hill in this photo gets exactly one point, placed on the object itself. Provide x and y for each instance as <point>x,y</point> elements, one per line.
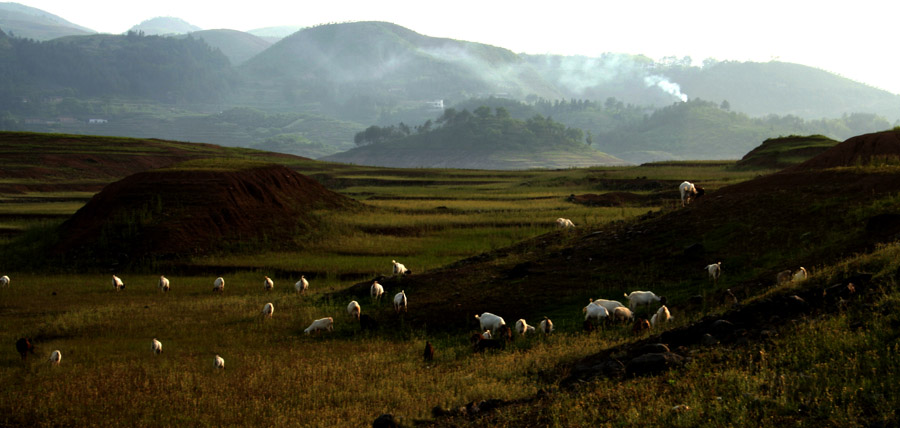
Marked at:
<point>154,68</point>
<point>483,125</point>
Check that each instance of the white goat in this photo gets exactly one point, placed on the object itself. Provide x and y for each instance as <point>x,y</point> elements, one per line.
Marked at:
<point>321,324</point>
<point>219,362</point>
<point>268,284</point>
<point>714,270</point>
<point>546,326</point>
<point>55,357</point>
<point>564,223</point>
<point>486,335</point>
<point>661,316</point>
<point>399,268</point>
<point>622,314</point>
<point>267,310</point>
<point>641,298</point>
<point>801,274</point>
<point>400,301</point>
<point>163,284</point>
<point>594,312</point>
<point>376,291</point>
<point>489,321</point>
<point>4,281</point>
<point>354,310</point>
<point>689,192</point>
<point>219,284</point>
<point>117,283</point>
<point>610,305</point>
<point>302,285</point>
<point>522,327</point>
<point>156,346</point>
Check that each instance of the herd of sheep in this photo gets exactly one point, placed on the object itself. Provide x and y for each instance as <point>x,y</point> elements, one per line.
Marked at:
<point>494,332</point>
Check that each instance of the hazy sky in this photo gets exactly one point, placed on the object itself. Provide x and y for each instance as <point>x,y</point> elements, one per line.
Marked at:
<point>856,39</point>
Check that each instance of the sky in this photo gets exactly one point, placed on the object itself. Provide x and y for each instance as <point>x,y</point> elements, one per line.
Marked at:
<point>857,40</point>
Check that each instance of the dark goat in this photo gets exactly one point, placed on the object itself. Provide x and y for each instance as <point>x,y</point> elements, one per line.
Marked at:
<point>481,344</point>
<point>640,326</point>
<point>24,346</point>
<point>504,333</point>
<point>428,354</point>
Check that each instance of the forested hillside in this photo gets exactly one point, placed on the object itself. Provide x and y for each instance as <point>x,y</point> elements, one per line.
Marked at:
<point>152,68</point>
<point>482,139</point>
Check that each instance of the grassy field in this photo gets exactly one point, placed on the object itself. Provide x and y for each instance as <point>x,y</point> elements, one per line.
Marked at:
<point>425,219</point>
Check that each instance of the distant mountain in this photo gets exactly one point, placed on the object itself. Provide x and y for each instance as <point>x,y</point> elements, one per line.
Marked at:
<point>236,45</point>
<point>356,69</point>
<point>783,88</point>
<point>27,22</point>
<point>479,140</point>
<point>164,25</point>
<point>274,34</point>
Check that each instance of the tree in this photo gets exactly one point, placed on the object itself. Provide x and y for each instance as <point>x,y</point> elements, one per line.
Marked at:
<point>725,105</point>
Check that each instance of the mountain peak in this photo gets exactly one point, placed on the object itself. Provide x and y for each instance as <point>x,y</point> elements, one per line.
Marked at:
<point>162,25</point>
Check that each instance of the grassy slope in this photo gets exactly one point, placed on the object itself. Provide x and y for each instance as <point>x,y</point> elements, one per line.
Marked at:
<point>109,374</point>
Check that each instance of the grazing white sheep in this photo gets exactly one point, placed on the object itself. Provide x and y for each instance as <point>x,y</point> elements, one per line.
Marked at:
<point>546,326</point>
<point>489,321</point>
<point>219,362</point>
<point>354,310</point>
<point>302,285</point>
<point>661,316</point>
<point>689,192</point>
<point>55,357</point>
<point>268,309</point>
<point>622,314</point>
<point>400,301</point>
<point>117,283</point>
<point>219,284</point>
<point>714,270</point>
<point>801,274</point>
<point>564,223</point>
<point>522,327</point>
<point>641,298</point>
<point>610,305</point>
<point>4,281</point>
<point>399,268</point>
<point>163,284</point>
<point>321,324</point>
<point>268,284</point>
<point>594,312</point>
<point>376,291</point>
<point>156,346</point>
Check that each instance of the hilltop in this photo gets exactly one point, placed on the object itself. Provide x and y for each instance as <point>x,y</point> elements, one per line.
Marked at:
<point>194,208</point>
<point>778,153</point>
<point>479,140</point>
<point>238,46</point>
<point>31,23</point>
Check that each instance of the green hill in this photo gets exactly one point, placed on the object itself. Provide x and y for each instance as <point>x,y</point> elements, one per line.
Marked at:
<point>149,68</point>
<point>238,46</point>
<point>779,153</point>
<point>479,140</point>
<point>31,23</point>
<point>355,69</point>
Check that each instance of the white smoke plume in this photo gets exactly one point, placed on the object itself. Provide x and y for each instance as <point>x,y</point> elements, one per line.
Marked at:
<point>666,85</point>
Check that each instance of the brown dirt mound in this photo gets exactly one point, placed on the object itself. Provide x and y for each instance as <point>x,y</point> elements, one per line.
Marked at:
<point>859,150</point>
<point>172,213</point>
